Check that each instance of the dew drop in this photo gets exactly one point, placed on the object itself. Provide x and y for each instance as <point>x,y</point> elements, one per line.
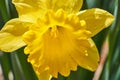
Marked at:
<point>86,54</point>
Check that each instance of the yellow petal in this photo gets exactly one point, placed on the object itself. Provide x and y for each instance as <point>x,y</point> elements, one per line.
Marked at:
<point>11,33</point>
<point>29,10</point>
<point>67,5</point>
<point>87,56</point>
<point>26,6</point>
<point>96,19</point>
<point>44,76</point>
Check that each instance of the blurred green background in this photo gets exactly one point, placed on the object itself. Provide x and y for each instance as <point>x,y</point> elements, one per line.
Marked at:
<point>14,66</point>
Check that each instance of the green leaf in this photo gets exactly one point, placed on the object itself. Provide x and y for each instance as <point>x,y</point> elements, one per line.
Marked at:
<point>5,64</point>
<point>112,68</point>
<point>94,3</point>
<point>4,9</point>
<point>21,68</point>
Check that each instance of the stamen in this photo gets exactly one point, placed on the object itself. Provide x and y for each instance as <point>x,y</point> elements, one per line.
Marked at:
<point>54,31</point>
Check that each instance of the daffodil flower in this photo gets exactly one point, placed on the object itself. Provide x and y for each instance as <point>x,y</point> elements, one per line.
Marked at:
<point>56,34</point>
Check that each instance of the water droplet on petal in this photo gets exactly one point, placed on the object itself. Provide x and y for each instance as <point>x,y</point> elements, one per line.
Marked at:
<point>86,54</point>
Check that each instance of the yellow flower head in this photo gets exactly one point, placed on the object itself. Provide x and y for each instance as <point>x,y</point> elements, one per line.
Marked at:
<point>57,36</point>
<point>58,43</point>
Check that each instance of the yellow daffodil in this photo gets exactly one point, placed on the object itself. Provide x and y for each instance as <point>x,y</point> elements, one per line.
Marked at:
<point>57,36</point>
